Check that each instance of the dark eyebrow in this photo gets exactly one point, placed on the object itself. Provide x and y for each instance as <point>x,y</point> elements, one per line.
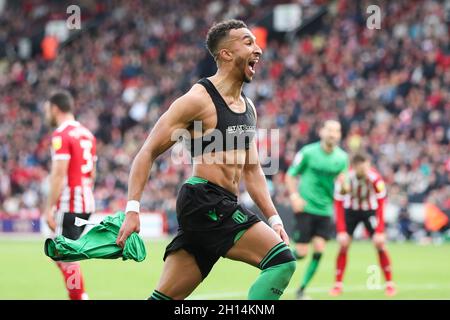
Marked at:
<point>248,36</point>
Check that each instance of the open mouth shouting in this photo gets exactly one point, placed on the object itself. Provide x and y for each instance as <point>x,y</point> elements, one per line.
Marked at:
<point>251,66</point>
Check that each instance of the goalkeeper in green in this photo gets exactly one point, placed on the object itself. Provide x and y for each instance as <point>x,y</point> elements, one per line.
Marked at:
<point>318,165</point>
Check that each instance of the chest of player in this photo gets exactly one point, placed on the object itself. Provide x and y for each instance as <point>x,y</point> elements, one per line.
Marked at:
<point>224,120</point>
<point>232,134</point>
<point>361,188</point>
<point>222,128</point>
<point>325,166</point>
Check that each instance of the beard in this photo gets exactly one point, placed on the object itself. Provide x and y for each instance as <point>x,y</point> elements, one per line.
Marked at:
<point>241,64</point>
<point>51,121</point>
<point>331,143</point>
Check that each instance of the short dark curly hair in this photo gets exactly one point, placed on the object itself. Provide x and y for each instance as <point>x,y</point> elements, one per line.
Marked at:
<point>219,31</point>
<point>63,100</point>
<point>360,156</point>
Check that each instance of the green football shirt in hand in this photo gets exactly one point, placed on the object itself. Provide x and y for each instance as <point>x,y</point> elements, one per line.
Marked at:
<point>97,243</point>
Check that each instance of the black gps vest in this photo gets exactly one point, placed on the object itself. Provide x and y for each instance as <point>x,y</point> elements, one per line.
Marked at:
<point>233,131</point>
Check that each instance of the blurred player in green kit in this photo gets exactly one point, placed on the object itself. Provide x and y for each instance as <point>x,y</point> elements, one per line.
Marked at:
<point>318,165</point>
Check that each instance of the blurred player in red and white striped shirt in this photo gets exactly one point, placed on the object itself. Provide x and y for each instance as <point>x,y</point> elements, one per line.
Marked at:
<point>71,181</point>
<point>359,198</point>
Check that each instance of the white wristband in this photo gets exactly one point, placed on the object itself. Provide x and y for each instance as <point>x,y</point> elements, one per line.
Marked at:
<point>293,195</point>
<point>132,205</point>
<point>275,219</point>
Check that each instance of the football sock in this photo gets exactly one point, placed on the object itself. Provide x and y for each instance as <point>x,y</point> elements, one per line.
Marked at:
<point>341,262</point>
<point>277,267</point>
<point>156,295</point>
<point>311,270</point>
<point>385,264</point>
<point>73,279</point>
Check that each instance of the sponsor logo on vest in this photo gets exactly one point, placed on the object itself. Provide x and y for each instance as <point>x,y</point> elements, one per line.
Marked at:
<point>241,129</point>
<point>196,146</point>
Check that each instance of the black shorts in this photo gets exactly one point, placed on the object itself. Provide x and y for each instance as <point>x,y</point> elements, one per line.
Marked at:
<point>65,224</point>
<point>309,225</point>
<point>354,217</point>
<point>210,221</point>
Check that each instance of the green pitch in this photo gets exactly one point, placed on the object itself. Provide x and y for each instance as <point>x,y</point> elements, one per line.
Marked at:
<point>421,272</point>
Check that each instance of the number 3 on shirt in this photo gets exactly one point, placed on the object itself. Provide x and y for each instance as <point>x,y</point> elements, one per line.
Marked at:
<point>86,145</point>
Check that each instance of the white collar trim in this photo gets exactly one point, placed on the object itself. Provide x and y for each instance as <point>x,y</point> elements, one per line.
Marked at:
<point>67,123</point>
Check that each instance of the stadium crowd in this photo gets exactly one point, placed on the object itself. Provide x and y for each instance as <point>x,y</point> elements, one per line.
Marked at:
<point>390,88</point>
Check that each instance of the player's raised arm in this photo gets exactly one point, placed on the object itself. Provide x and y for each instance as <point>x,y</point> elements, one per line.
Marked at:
<point>256,185</point>
<point>179,116</point>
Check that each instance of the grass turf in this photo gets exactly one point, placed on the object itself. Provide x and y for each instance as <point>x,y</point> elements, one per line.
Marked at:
<point>421,272</point>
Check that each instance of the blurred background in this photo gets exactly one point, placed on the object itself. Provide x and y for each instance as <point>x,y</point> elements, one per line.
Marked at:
<point>129,60</point>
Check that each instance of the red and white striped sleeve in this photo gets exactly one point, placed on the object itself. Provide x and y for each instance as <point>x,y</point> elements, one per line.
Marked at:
<point>379,187</point>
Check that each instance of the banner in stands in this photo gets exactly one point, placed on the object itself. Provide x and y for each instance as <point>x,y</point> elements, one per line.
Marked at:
<point>20,225</point>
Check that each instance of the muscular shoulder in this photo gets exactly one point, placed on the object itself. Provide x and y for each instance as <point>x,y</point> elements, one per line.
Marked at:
<point>61,134</point>
<point>311,148</point>
<point>190,105</point>
<point>304,153</point>
<point>195,96</point>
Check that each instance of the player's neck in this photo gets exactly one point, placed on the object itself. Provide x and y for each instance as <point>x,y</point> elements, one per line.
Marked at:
<point>326,148</point>
<point>227,84</point>
<point>64,118</point>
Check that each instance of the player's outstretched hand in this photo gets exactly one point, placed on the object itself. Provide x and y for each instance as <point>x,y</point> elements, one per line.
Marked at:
<point>130,224</point>
<point>280,231</point>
